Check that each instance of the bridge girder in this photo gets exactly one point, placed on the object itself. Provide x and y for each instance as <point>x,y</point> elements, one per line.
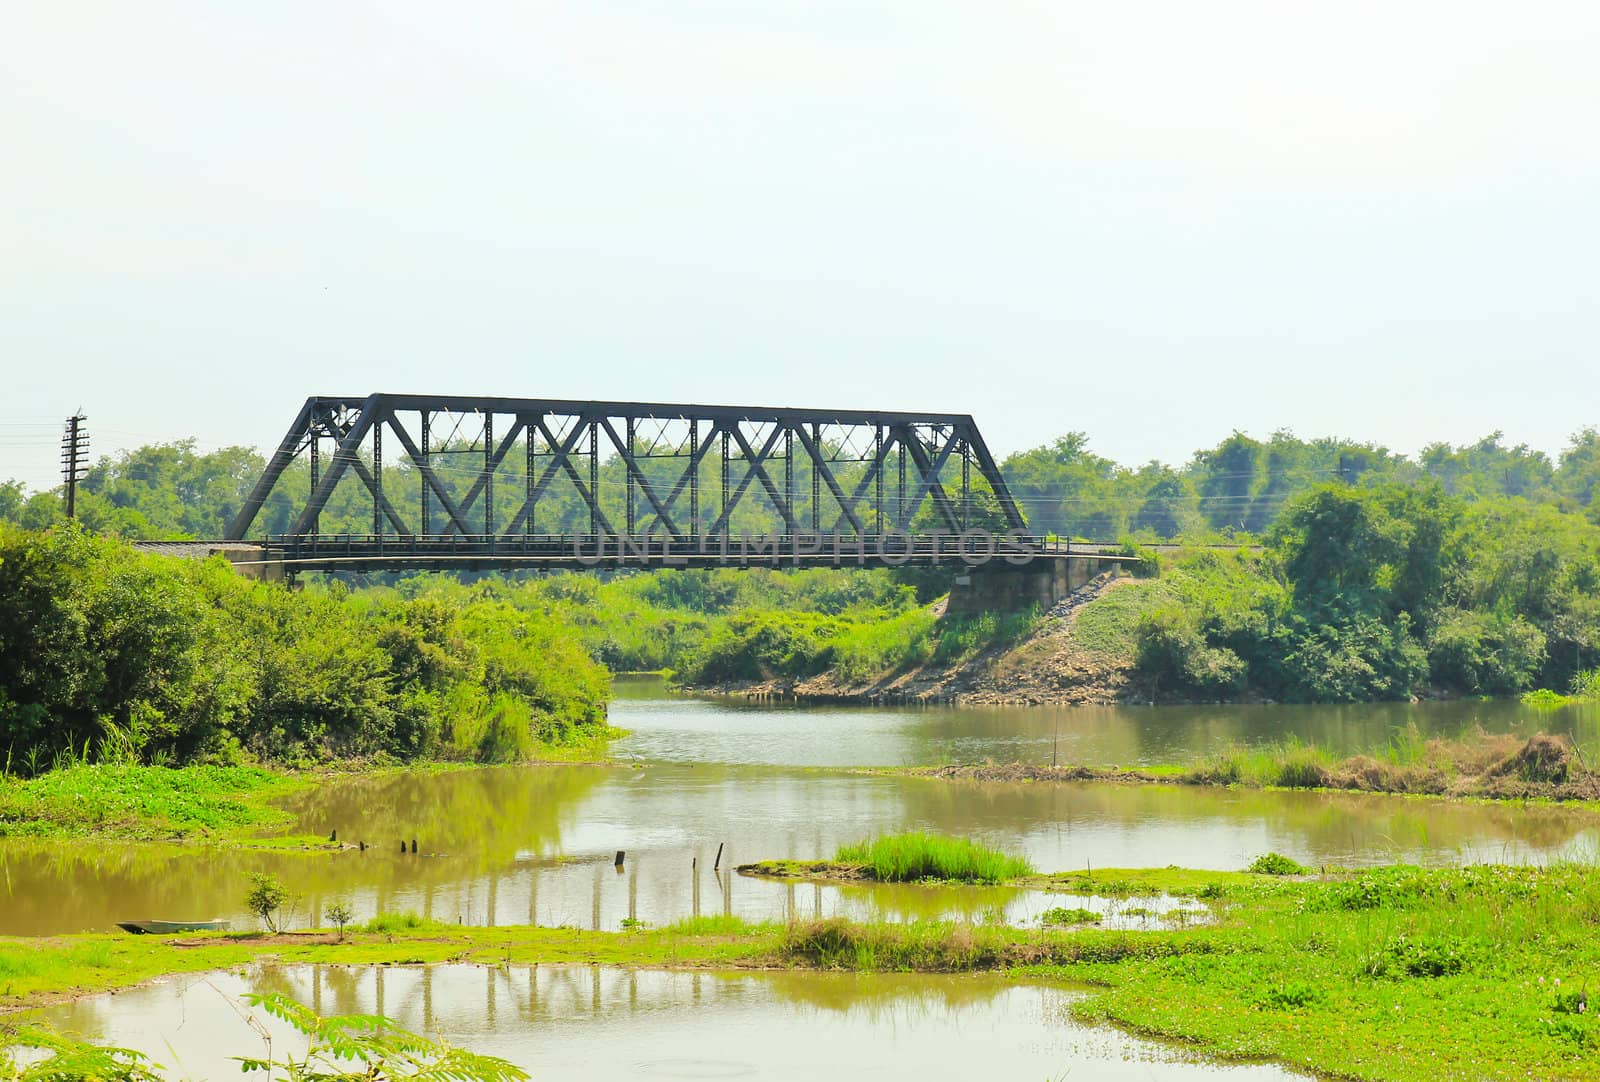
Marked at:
<point>857,473</point>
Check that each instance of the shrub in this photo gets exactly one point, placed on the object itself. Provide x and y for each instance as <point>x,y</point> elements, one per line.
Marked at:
<point>265,897</point>
<point>339,914</point>
<point>1432,956</point>
<point>1276,864</point>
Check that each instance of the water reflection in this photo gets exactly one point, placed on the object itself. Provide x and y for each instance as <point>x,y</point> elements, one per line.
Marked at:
<point>599,1024</point>
<point>522,845</point>
<point>669,728</point>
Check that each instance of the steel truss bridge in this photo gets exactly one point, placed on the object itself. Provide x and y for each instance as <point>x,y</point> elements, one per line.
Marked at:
<point>456,482</point>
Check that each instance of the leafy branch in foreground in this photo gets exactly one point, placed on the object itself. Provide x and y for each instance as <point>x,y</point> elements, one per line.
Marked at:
<point>66,1060</point>
<point>385,1050</point>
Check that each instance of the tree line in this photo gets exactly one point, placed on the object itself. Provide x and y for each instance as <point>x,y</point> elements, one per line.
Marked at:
<point>109,653</point>
<point>1238,487</point>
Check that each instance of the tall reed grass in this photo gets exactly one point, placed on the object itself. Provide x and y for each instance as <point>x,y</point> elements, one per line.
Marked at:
<point>904,858</point>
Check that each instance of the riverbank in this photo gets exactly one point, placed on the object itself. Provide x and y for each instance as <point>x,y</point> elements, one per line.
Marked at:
<point>1391,973</point>
<point>232,805</point>
<point>1489,767</point>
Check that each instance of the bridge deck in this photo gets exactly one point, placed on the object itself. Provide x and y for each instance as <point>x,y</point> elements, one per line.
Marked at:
<point>374,553</point>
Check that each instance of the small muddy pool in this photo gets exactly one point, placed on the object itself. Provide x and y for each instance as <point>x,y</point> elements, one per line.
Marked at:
<point>597,1024</point>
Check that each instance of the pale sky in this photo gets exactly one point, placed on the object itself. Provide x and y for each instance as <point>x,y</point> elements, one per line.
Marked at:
<point>1155,222</point>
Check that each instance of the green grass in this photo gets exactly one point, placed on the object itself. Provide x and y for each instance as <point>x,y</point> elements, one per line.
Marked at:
<point>1061,917</point>
<point>1398,973</point>
<point>395,923</point>
<point>143,801</point>
<point>905,858</point>
<point>1109,625</point>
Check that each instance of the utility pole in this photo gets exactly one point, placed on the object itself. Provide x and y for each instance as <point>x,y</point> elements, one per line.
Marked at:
<point>74,459</point>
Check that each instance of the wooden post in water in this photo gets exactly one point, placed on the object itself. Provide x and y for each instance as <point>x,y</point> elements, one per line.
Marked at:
<point>718,865</point>
<point>620,857</point>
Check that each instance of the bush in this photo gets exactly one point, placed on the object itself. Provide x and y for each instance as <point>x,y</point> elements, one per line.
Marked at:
<point>1174,656</point>
<point>1429,956</point>
<point>1276,864</point>
<point>265,897</point>
<point>1485,653</point>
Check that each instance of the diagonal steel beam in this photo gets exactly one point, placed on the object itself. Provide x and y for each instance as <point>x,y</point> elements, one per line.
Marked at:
<point>875,471</point>
<point>383,501</point>
<point>638,476</point>
<point>457,519</point>
<point>928,483</point>
<point>288,448</point>
<point>565,461</point>
<point>990,472</point>
<point>344,453</point>
<point>739,490</point>
<point>560,451</point>
<point>757,465</point>
<point>820,465</point>
<point>695,458</point>
<point>493,464</point>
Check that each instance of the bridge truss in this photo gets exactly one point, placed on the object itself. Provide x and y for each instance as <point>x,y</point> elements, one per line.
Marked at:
<point>453,481</point>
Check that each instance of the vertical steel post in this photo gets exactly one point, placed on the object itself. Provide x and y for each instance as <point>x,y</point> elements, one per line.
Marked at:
<point>694,478</point>
<point>527,446</point>
<point>816,478</point>
<point>627,472</point>
<point>427,511</point>
<point>488,477</point>
<point>377,481</point>
<point>594,477</point>
<point>877,467</point>
<point>788,475</point>
<point>966,482</point>
<point>727,527</point>
<point>315,432</point>
<point>905,434</point>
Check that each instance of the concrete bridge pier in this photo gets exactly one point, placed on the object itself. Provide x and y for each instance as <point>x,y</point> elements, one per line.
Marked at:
<point>1001,587</point>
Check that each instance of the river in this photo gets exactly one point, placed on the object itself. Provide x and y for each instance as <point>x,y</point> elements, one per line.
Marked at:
<point>703,784</point>
<point>511,845</point>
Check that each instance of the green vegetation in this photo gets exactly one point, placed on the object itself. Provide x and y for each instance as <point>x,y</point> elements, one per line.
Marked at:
<point>264,898</point>
<point>1276,864</point>
<point>1466,570</point>
<point>142,801</point>
<point>121,657</point>
<point>382,1048</point>
<point>1061,917</point>
<point>907,858</point>
<point>339,914</point>
<point>1368,975</point>
<point>1236,488</point>
<point>1365,593</point>
<point>397,923</point>
<point>47,1056</point>
<point>1489,766</point>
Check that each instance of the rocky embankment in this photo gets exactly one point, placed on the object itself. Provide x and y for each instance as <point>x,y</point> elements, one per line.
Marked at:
<point>1047,667</point>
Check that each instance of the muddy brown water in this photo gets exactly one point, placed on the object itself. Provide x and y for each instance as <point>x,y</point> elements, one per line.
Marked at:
<point>598,1024</point>
<point>518,844</point>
